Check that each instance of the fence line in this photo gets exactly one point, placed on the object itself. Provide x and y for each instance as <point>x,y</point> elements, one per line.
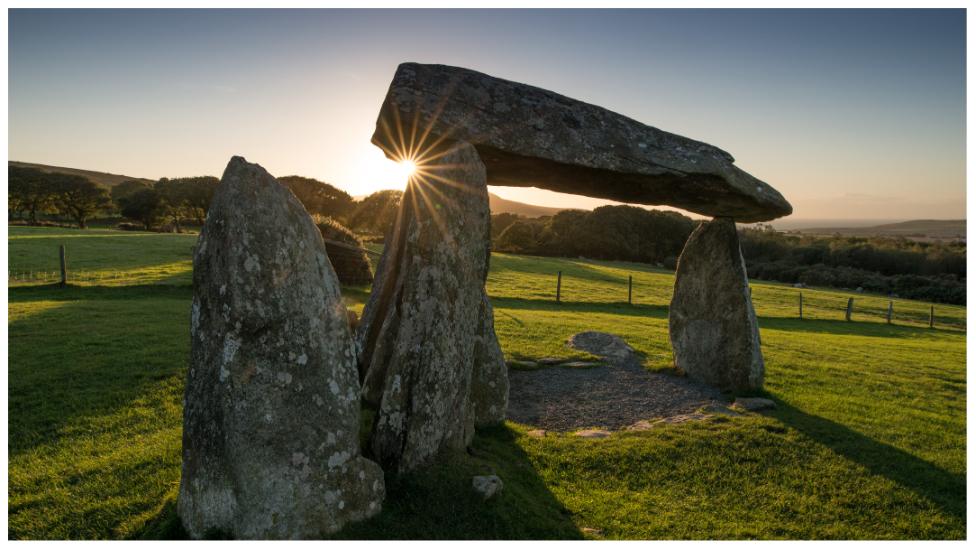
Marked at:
<point>847,310</point>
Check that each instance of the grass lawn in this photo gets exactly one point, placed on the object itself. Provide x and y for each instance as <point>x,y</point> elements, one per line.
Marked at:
<point>868,440</point>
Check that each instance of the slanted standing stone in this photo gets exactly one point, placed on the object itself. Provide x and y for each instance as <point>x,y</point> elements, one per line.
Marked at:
<point>271,410</point>
<point>426,324</point>
<point>489,380</point>
<point>713,326</point>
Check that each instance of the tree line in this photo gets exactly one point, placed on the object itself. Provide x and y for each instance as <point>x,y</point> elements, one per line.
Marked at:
<point>894,266</point>
<point>171,203</point>
<point>932,271</point>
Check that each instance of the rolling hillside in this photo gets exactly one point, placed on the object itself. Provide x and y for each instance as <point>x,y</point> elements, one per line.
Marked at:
<point>498,205</point>
<point>102,178</point>
<point>913,229</point>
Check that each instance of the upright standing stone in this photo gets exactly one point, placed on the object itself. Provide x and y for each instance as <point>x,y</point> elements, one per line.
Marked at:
<point>271,410</point>
<point>489,380</point>
<point>424,326</point>
<point>713,326</point>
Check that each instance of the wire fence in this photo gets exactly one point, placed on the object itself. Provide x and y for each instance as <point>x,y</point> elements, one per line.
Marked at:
<point>769,299</point>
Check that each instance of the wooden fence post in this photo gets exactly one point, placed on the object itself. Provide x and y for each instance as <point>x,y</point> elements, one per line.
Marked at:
<point>630,289</point>
<point>850,307</point>
<point>64,267</point>
<point>891,308</point>
<point>559,284</point>
<point>801,305</point>
<point>931,316</point>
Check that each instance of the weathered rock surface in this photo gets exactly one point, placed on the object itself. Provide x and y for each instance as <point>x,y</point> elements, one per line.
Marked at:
<point>426,326</point>
<point>489,379</point>
<point>603,344</point>
<point>528,136</point>
<point>714,333</point>
<point>271,409</point>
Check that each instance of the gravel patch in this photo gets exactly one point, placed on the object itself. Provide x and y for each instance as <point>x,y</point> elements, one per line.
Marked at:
<point>611,396</point>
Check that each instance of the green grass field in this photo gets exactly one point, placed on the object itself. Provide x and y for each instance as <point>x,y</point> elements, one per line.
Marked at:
<point>868,440</point>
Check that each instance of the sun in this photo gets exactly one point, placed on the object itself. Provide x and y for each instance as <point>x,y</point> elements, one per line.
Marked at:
<point>407,168</point>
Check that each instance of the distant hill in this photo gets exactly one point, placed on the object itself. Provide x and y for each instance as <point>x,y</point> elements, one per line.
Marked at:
<point>103,178</point>
<point>919,230</point>
<point>498,205</point>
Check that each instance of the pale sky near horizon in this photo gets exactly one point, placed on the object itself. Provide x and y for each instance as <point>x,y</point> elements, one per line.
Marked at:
<point>848,113</point>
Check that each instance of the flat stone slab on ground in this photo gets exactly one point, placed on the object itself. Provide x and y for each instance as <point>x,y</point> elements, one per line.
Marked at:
<point>579,364</point>
<point>602,344</point>
<point>753,403</point>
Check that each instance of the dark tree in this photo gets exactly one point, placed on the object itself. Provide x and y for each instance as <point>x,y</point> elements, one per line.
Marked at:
<point>521,237</point>
<point>78,197</point>
<point>125,188</point>
<point>186,198</point>
<point>319,197</point>
<point>29,190</point>
<point>500,222</point>
<point>377,212</point>
<point>145,206</point>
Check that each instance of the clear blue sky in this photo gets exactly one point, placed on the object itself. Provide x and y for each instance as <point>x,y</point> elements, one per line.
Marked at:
<point>849,113</point>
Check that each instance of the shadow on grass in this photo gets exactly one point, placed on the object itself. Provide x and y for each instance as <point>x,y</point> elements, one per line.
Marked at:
<point>54,292</point>
<point>439,503</point>
<point>615,308</point>
<point>854,328</point>
<point>112,345</point>
<point>945,489</point>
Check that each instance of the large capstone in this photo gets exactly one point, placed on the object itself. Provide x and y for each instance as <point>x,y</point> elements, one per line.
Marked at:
<point>426,324</point>
<point>271,409</point>
<point>528,136</point>
<point>713,326</point>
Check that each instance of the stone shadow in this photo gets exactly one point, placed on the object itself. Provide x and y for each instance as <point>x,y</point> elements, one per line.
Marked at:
<point>852,328</point>
<point>616,308</point>
<point>945,489</point>
<point>106,358</point>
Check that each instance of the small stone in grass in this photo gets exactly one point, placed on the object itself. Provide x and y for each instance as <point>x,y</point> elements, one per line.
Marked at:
<point>487,486</point>
<point>593,434</point>
<point>536,433</point>
<point>753,403</point>
<point>580,364</point>
<point>592,531</point>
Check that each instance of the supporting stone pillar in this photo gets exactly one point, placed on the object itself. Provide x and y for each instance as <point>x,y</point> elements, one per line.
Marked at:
<point>271,409</point>
<point>426,335</point>
<point>714,333</point>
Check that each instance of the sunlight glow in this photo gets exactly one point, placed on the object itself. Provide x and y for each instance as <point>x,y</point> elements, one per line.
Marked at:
<point>407,168</point>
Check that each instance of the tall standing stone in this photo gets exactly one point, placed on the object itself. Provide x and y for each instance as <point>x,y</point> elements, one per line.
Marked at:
<point>489,379</point>
<point>424,327</point>
<point>714,333</point>
<point>271,409</point>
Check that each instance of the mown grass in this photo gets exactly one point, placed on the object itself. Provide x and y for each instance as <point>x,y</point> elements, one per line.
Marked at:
<point>868,440</point>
